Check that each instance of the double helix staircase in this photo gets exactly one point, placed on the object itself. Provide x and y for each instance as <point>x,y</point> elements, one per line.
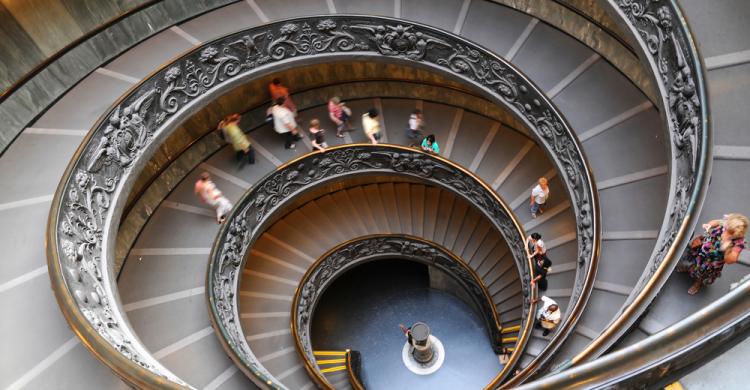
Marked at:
<point>279,258</point>
<point>162,283</point>
<point>181,231</point>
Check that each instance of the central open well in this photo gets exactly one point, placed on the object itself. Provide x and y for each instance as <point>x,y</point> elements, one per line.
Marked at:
<point>362,309</point>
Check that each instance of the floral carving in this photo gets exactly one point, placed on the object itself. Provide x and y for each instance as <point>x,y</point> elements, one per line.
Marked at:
<point>400,40</point>
<point>124,136</point>
<point>299,39</point>
<point>484,69</point>
<point>654,23</point>
<point>354,253</point>
<point>105,164</point>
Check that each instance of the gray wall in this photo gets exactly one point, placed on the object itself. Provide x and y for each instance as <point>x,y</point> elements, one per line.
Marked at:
<point>33,30</point>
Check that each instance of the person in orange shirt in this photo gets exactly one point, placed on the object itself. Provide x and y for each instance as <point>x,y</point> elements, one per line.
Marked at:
<point>277,91</point>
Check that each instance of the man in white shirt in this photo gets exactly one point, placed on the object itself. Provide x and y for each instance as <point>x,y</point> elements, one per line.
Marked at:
<point>284,123</point>
<point>539,195</point>
<point>416,123</point>
<point>548,315</point>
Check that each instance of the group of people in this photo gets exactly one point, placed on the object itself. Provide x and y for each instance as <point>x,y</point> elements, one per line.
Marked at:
<point>720,243</point>
<point>548,315</point>
<point>283,114</point>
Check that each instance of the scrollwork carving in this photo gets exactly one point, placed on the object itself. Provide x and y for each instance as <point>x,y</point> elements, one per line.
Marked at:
<point>654,21</point>
<point>666,42</point>
<point>82,221</point>
<point>105,163</point>
<point>269,196</point>
<point>351,254</point>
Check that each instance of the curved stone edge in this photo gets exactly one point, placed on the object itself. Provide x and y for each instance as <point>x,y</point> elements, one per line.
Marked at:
<point>348,255</point>
<point>88,204</point>
<point>258,207</point>
<point>27,103</point>
<point>674,351</point>
<point>669,49</point>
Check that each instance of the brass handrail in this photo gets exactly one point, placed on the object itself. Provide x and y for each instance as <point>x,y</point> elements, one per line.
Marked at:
<point>219,249</point>
<point>676,348</point>
<point>353,378</point>
<point>692,156</point>
<point>88,203</point>
<point>312,368</point>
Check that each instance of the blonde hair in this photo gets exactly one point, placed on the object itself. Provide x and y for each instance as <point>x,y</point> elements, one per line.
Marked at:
<point>542,181</point>
<point>315,123</point>
<point>336,100</point>
<point>736,223</point>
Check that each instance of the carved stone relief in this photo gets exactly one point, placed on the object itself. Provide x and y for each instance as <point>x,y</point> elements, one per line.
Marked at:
<point>357,252</point>
<point>105,162</point>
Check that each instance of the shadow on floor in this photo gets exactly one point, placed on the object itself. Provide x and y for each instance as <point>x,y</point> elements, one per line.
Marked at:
<point>362,310</point>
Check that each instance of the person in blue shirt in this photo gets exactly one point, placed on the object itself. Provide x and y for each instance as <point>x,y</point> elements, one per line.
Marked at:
<point>429,144</point>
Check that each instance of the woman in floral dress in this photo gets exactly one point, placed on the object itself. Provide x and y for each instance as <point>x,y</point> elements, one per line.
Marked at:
<point>721,244</point>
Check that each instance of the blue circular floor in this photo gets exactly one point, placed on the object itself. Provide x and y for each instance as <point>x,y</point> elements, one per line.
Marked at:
<point>362,310</point>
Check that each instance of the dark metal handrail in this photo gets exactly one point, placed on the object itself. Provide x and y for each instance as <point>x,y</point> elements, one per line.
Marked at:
<point>263,204</point>
<point>350,254</point>
<point>674,349</point>
<point>668,48</point>
<point>90,198</point>
<point>353,369</point>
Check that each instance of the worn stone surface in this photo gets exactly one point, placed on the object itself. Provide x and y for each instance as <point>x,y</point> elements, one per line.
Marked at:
<point>106,165</point>
<point>323,81</point>
<point>35,16</point>
<point>19,51</point>
<point>592,36</point>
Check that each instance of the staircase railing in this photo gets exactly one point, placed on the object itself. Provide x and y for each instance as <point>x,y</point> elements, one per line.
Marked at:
<point>335,361</point>
<point>668,48</point>
<point>667,355</point>
<point>354,367</point>
<point>269,199</point>
<point>350,254</point>
<point>88,204</point>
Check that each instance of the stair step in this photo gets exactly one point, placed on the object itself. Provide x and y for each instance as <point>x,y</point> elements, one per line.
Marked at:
<point>403,201</point>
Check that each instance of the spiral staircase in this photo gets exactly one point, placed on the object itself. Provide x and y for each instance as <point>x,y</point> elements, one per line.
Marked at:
<point>161,282</point>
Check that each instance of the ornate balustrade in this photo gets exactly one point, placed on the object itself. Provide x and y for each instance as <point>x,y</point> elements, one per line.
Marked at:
<point>269,198</point>
<point>667,355</point>
<point>88,203</point>
<point>667,46</point>
<point>348,255</point>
